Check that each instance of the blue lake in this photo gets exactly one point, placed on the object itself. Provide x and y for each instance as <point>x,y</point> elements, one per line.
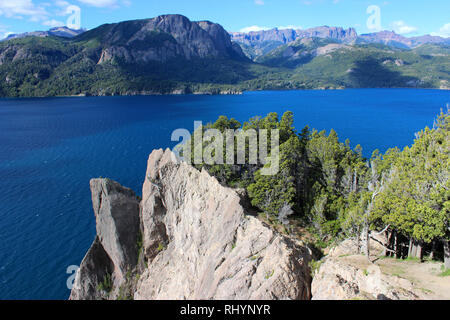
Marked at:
<point>50,148</point>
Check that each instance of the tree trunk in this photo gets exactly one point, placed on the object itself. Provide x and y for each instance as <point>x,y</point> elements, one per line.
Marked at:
<point>387,242</point>
<point>367,237</point>
<point>358,241</point>
<point>410,248</point>
<point>447,254</point>
<point>415,249</point>
<point>395,246</point>
<point>419,251</point>
<point>433,248</point>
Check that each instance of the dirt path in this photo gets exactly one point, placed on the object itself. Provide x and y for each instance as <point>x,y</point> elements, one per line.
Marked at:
<point>424,276</point>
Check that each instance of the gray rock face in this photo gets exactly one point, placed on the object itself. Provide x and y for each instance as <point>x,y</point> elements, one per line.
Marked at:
<point>197,240</point>
<point>289,35</point>
<point>201,244</point>
<point>254,37</point>
<point>115,249</point>
<point>94,269</point>
<point>117,219</point>
<point>163,38</point>
<point>263,42</point>
<point>259,43</point>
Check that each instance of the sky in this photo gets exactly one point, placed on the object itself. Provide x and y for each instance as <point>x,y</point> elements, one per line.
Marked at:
<point>406,17</point>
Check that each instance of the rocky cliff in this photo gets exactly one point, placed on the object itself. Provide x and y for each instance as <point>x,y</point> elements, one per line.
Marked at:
<point>161,39</point>
<point>189,238</point>
<point>285,36</point>
<point>259,43</point>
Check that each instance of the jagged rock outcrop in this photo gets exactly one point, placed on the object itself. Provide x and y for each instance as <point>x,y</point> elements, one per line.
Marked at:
<point>259,43</point>
<point>114,252</point>
<point>285,36</point>
<point>346,275</point>
<point>198,242</point>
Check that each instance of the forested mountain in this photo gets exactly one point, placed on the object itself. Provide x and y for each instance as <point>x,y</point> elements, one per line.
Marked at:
<point>161,55</point>
<point>171,54</point>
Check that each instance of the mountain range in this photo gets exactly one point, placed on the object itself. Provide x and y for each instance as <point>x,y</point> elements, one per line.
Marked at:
<point>257,43</point>
<point>171,54</point>
<point>64,32</point>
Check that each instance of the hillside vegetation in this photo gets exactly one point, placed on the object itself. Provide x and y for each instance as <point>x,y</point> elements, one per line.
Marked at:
<point>335,193</point>
<point>170,54</point>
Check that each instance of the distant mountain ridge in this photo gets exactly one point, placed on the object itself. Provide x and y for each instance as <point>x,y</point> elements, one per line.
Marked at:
<point>258,43</point>
<point>392,38</point>
<point>283,36</point>
<point>289,35</point>
<point>64,32</point>
<point>171,54</point>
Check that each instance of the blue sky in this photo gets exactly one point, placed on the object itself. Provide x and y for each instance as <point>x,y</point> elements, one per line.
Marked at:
<point>407,17</point>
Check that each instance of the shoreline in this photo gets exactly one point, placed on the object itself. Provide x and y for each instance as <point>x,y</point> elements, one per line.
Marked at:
<point>237,93</point>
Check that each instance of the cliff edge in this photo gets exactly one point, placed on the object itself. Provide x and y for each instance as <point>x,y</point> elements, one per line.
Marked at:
<point>189,238</point>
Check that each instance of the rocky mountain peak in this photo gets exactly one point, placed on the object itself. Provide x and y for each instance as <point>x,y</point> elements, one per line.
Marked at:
<point>163,38</point>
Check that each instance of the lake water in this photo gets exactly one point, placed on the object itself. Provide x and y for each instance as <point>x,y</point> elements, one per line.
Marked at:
<point>50,148</point>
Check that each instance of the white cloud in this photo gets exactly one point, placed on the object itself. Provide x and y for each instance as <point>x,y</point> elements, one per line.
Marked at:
<point>100,3</point>
<point>259,2</point>
<point>258,28</point>
<point>20,8</point>
<point>53,23</point>
<point>4,35</point>
<point>254,28</point>
<point>4,32</point>
<point>61,3</point>
<point>444,31</point>
<point>401,27</point>
<point>290,27</point>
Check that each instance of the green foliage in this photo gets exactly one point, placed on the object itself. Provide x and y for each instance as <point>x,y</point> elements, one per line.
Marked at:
<point>445,273</point>
<point>160,247</point>
<point>415,200</point>
<point>106,285</point>
<point>336,192</point>
<point>318,178</point>
<point>315,266</point>
<point>54,66</point>
<point>269,274</point>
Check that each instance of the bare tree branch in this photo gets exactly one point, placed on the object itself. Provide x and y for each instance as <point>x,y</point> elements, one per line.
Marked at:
<point>383,231</point>
<point>382,244</point>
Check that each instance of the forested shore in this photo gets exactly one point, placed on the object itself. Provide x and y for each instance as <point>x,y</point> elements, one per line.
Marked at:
<point>336,193</point>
